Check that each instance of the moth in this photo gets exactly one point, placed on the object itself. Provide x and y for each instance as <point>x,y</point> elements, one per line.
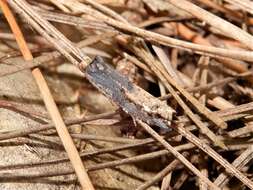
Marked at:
<point>133,100</point>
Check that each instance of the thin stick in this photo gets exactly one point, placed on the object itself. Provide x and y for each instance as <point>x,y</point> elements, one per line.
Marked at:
<point>105,139</point>
<point>210,85</point>
<point>49,102</point>
<point>72,53</point>
<point>202,109</point>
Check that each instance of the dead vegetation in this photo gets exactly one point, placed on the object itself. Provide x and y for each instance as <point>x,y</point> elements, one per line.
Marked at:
<point>126,94</point>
